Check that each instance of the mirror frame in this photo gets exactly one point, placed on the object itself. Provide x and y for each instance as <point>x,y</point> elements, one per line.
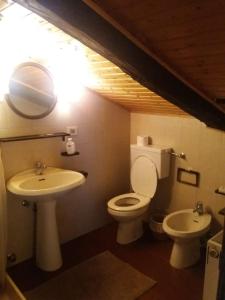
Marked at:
<point>10,102</point>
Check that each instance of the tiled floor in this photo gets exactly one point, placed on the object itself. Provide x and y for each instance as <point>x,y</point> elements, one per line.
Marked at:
<point>147,255</point>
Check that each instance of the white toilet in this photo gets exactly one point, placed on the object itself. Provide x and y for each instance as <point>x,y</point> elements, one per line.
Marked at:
<point>148,164</point>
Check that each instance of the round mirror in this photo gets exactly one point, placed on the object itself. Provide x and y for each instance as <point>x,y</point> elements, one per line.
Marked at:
<point>31,91</point>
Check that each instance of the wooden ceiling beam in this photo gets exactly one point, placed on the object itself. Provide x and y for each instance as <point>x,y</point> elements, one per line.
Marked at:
<point>83,23</point>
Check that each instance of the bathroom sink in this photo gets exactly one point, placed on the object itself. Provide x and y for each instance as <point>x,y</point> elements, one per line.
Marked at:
<point>52,181</point>
<point>42,189</point>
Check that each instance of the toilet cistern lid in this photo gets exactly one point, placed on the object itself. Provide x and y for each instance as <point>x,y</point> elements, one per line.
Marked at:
<point>144,176</point>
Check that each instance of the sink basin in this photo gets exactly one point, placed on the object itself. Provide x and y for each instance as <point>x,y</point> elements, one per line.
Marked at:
<point>52,181</point>
<point>42,189</point>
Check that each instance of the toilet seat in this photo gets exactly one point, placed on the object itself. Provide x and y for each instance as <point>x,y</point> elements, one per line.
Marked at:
<point>128,202</point>
<point>143,176</point>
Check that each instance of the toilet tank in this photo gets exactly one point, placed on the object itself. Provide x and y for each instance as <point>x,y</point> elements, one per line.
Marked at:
<point>160,155</point>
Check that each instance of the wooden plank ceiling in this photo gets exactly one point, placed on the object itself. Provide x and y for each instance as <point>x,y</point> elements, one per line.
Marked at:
<point>112,82</point>
<point>188,37</point>
<point>119,87</point>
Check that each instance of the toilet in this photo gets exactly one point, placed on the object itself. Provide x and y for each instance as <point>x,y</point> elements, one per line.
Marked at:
<point>148,164</point>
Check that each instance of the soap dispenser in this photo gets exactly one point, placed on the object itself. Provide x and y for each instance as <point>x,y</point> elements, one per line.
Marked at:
<point>70,146</point>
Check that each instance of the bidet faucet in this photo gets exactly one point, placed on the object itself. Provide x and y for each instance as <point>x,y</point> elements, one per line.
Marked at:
<point>39,167</point>
<point>199,208</point>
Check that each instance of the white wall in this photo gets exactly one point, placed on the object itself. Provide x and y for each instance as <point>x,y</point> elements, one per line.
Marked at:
<point>103,142</point>
<point>205,151</point>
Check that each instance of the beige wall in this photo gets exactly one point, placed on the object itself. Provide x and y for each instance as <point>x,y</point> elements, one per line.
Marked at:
<point>205,151</point>
<point>103,142</point>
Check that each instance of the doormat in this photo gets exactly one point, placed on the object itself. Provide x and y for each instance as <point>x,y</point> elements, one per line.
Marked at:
<point>102,277</point>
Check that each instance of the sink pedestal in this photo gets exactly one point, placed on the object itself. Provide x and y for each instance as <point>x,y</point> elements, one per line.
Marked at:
<point>48,254</point>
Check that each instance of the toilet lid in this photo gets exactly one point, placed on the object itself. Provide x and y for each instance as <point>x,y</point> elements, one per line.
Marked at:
<point>144,176</point>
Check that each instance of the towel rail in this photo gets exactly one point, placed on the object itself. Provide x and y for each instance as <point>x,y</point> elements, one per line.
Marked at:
<point>34,137</point>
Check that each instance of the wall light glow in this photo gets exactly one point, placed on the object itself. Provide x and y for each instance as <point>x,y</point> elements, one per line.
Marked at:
<point>23,38</point>
<point>63,107</point>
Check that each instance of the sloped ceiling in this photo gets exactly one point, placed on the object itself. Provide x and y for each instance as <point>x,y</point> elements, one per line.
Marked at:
<point>114,84</point>
<point>187,36</point>
<point>173,47</point>
<point>110,81</point>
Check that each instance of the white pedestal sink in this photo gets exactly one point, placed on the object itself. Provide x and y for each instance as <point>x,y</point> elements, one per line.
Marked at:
<point>42,189</point>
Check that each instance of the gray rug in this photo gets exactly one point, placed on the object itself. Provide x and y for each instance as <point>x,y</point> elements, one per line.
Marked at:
<point>103,277</point>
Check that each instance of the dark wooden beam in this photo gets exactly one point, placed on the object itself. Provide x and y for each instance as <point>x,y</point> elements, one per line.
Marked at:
<point>80,21</point>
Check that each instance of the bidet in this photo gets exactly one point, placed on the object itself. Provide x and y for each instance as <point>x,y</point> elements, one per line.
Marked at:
<point>186,227</point>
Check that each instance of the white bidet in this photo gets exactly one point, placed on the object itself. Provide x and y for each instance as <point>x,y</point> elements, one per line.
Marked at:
<point>185,228</point>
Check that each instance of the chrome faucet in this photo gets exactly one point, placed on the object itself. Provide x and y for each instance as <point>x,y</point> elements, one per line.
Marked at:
<point>39,167</point>
<point>199,208</point>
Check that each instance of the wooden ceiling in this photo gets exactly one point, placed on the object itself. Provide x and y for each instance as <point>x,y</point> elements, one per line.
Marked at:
<point>120,88</point>
<point>187,37</point>
<point>111,82</point>
<point>160,44</point>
